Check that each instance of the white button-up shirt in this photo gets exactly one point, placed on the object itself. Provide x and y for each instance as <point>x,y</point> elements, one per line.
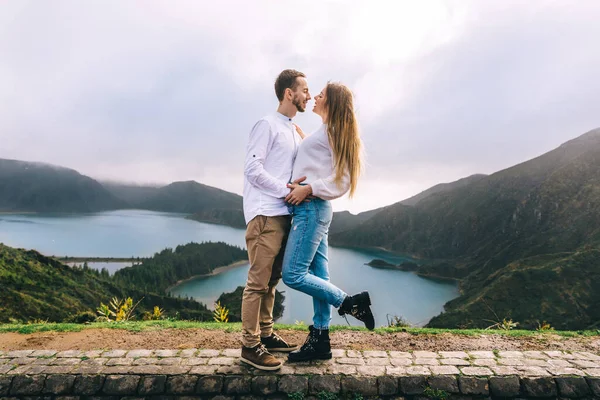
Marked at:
<point>315,161</point>
<point>270,155</point>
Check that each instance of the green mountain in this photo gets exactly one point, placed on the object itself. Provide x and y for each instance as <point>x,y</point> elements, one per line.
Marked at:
<point>37,287</point>
<point>344,220</point>
<point>544,206</point>
<point>203,203</point>
<point>27,186</point>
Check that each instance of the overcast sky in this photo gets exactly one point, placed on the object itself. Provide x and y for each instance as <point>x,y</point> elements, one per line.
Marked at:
<point>150,91</point>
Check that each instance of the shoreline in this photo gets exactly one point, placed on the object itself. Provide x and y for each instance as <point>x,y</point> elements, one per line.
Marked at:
<point>216,271</point>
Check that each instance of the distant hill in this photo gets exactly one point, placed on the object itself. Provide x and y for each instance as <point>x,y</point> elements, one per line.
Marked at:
<point>35,287</point>
<point>28,186</point>
<point>344,220</point>
<point>547,205</point>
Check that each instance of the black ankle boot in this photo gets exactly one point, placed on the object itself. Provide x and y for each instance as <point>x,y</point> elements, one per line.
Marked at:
<point>359,306</point>
<point>316,346</point>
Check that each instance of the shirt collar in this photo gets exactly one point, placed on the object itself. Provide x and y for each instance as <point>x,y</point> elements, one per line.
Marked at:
<point>283,117</point>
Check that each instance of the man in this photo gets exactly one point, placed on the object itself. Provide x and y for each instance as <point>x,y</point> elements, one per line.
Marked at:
<point>270,155</point>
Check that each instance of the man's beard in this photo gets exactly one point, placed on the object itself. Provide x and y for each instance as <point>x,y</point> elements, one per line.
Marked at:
<point>299,105</point>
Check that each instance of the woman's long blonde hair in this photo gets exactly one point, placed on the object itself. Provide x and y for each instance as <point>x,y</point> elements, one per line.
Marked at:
<point>343,132</point>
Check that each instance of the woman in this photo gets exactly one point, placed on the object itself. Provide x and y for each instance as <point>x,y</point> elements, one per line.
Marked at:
<point>330,160</point>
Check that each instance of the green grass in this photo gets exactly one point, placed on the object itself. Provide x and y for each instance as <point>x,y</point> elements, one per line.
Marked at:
<point>139,326</point>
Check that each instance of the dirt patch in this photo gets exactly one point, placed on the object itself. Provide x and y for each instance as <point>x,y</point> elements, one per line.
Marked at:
<point>90,339</point>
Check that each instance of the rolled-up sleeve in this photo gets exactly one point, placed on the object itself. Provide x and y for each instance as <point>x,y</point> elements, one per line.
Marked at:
<point>259,144</point>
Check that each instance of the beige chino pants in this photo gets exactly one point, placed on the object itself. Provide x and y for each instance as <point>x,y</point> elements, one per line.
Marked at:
<point>266,238</point>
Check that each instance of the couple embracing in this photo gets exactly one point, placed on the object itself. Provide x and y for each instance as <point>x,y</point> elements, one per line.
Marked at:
<point>289,181</point>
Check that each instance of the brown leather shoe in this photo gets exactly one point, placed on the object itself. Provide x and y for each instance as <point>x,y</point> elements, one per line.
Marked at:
<point>259,357</point>
<point>276,343</point>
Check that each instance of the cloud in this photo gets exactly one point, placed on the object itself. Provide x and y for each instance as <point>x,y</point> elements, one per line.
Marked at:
<point>163,91</point>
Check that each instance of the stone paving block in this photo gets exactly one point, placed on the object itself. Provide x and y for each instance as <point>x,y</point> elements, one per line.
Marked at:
<point>310,369</point>
<point>371,354</point>
<point>237,384</point>
<point>585,364</point>
<point>139,353</point>
<point>572,387</point>
<point>428,361</point>
<point>23,385</point>
<point>396,371</point>
<point>473,386</point>
<point>169,361</point>
<point>43,353</point>
<point>586,355</point>
<point>387,385</point>
<point>264,385</point>
<point>208,353</point>
<point>58,369</point>
<point>476,371</point>
<point>144,361</point>
<point>560,354</point>
<point>146,370</point>
<point>446,383</point>
<point>88,385</point>
<point>70,354</point>
<point>511,361</point>
<point>119,361</point>
<point>401,362</point>
<point>188,353</point>
<point>538,387</point>
<point>22,361</point>
<point>412,385</point>
<point>116,370</point>
<point>565,371</point>
<point>92,353</point>
<point>425,354</point>
<point>338,353</point>
<point>65,361</point>
<point>350,361</point>
<point>444,370</point>
<point>293,384</point>
<point>535,354</point>
<point>59,384</point>
<point>501,370</point>
<point>152,384</point>
<point>454,361</point>
<point>209,384</point>
<point>114,353</point>
<point>453,354</point>
<point>593,372</point>
<point>532,371</point>
<point>504,386</point>
<point>378,361</point>
<point>510,354</point>
<point>484,362</point>
<point>559,363</point>
<point>221,361</point>
<point>482,354</point>
<point>533,362</point>
<point>400,354</point>
<point>324,383</point>
<point>204,370</point>
<point>418,370</point>
<point>18,353</point>
<point>594,384</point>
<point>181,384</point>
<point>353,353</point>
<point>121,384</point>
<point>371,370</point>
<point>92,362</point>
<point>166,353</point>
<point>5,368</point>
<point>232,352</point>
<point>193,361</point>
<point>366,386</point>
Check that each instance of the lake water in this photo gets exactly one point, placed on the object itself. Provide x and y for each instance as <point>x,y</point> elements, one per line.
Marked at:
<point>133,233</point>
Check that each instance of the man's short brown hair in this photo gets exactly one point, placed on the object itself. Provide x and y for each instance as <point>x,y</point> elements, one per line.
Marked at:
<point>287,79</point>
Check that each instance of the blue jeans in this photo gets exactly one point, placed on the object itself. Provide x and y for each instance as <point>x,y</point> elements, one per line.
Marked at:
<point>305,266</point>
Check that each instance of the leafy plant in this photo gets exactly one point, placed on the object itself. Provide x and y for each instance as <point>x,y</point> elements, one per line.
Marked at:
<point>296,396</point>
<point>397,321</point>
<point>544,326</point>
<point>155,315</point>
<point>118,310</point>
<point>221,313</point>
<point>323,395</point>
<point>437,394</point>
<point>505,324</point>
